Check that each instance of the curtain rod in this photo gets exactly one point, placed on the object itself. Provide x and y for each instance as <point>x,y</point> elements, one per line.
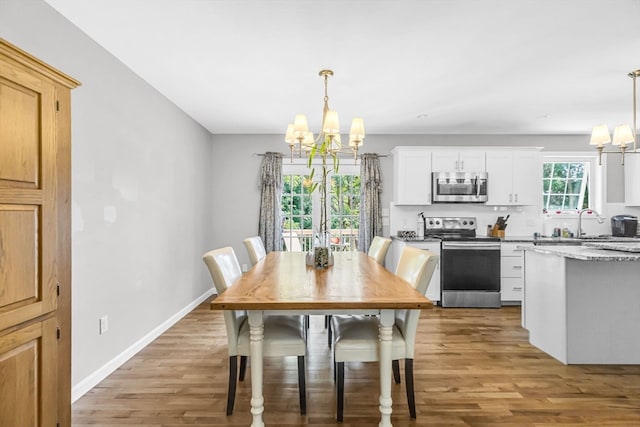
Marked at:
<point>287,155</point>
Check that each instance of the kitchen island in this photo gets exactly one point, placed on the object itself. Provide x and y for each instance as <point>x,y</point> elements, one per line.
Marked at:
<point>582,303</point>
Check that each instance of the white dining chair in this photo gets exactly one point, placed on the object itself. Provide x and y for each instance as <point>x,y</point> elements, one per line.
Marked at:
<point>283,335</point>
<point>378,251</point>
<point>356,338</point>
<point>291,241</point>
<point>255,249</point>
<point>379,248</point>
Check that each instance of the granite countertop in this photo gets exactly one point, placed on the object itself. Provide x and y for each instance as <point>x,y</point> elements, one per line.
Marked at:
<point>623,246</point>
<point>587,252</point>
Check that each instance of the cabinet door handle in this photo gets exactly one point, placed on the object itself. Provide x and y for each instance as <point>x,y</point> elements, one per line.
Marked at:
<point>510,197</point>
<point>517,267</point>
<point>517,288</point>
<point>516,196</point>
<point>461,165</point>
<point>456,165</point>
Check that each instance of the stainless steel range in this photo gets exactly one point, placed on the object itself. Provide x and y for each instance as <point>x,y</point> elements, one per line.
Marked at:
<point>469,264</point>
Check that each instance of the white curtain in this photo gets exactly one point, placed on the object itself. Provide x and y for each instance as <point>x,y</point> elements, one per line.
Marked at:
<point>270,221</point>
<point>370,209</point>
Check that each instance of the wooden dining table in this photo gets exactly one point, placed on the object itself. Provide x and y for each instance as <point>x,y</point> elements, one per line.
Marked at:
<point>282,283</point>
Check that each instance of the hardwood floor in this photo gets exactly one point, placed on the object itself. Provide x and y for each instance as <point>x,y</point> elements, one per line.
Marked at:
<point>473,367</point>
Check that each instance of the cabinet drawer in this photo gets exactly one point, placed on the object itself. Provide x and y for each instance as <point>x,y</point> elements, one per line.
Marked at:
<point>511,267</point>
<point>510,249</point>
<point>511,289</point>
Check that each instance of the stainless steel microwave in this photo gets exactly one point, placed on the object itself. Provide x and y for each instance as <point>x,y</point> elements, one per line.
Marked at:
<point>459,187</point>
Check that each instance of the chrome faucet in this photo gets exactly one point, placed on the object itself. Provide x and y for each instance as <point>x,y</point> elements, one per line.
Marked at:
<point>598,218</point>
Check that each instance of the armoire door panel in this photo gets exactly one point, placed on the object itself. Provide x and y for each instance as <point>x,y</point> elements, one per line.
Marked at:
<point>27,368</point>
<point>19,135</point>
<point>26,273</point>
<point>18,254</point>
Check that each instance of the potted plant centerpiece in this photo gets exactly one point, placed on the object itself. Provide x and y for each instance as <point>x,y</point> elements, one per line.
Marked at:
<point>320,256</point>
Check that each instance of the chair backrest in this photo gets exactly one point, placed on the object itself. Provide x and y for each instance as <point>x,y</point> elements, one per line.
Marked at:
<point>292,242</point>
<point>225,271</point>
<point>416,266</point>
<point>378,249</point>
<point>255,248</point>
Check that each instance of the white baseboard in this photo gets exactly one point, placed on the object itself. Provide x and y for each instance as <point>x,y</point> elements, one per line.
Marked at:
<point>95,378</point>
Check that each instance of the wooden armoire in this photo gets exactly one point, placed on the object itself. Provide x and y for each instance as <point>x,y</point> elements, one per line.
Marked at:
<point>35,241</point>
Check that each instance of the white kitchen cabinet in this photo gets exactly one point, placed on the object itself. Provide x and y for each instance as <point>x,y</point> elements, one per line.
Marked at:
<point>514,177</point>
<point>458,161</point>
<point>631,179</point>
<point>433,291</point>
<point>512,272</point>
<point>411,176</point>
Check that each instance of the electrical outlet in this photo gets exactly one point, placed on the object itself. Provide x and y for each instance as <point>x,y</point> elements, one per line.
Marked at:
<point>104,324</point>
<point>244,268</point>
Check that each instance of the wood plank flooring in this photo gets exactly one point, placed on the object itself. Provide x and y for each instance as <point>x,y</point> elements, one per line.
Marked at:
<point>473,367</point>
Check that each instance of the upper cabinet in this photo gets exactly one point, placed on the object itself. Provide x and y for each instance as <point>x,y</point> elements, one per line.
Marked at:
<point>515,177</point>
<point>458,161</point>
<point>411,175</point>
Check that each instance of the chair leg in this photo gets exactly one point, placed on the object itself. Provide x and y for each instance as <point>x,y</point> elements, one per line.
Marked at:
<point>327,322</point>
<point>411,400</point>
<point>340,396</point>
<point>302,386</point>
<point>396,370</point>
<point>243,367</point>
<point>231,393</point>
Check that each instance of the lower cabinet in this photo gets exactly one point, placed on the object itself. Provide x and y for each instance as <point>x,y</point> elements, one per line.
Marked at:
<point>433,291</point>
<point>512,272</point>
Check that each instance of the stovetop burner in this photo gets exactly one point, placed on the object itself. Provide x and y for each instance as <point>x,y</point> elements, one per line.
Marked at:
<point>453,229</point>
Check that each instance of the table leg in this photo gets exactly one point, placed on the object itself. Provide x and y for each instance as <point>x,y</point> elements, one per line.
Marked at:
<point>386,331</point>
<point>256,335</point>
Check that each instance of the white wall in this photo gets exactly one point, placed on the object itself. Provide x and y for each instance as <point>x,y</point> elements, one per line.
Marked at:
<point>141,202</point>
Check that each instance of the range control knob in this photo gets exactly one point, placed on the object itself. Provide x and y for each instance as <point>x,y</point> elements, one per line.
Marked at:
<point>437,222</point>
<point>431,222</point>
<point>470,222</point>
<point>464,222</point>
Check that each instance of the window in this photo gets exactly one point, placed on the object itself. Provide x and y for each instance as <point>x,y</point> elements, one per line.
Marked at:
<point>565,185</point>
<point>571,182</point>
<point>301,209</point>
<point>345,210</point>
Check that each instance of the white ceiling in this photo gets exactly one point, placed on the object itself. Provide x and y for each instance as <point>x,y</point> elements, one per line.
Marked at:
<point>470,66</point>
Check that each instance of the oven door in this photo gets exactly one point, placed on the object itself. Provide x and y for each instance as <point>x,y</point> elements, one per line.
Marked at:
<point>470,274</point>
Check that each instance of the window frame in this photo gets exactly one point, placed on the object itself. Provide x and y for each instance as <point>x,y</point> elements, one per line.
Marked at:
<point>596,179</point>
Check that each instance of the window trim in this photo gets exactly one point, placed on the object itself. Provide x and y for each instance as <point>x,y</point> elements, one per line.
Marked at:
<point>596,177</point>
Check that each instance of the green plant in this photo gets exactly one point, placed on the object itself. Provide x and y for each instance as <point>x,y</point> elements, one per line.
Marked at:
<point>325,151</point>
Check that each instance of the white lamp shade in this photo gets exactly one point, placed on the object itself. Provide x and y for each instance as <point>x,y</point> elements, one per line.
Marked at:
<point>308,141</point>
<point>600,135</point>
<point>289,137</point>
<point>300,127</point>
<point>356,134</point>
<point>331,125</point>
<point>622,135</point>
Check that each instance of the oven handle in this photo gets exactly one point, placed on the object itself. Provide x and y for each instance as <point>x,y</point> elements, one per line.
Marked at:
<point>476,246</point>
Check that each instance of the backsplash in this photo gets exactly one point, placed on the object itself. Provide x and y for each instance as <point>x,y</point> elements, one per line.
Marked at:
<point>523,220</point>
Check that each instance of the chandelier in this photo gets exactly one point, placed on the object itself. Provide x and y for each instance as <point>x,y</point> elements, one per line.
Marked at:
<point>298,132</point>
<point>622,134</point>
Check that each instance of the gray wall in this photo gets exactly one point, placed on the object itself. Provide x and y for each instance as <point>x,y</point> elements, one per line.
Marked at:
<point>141,178</point>
<point>237,167</point>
